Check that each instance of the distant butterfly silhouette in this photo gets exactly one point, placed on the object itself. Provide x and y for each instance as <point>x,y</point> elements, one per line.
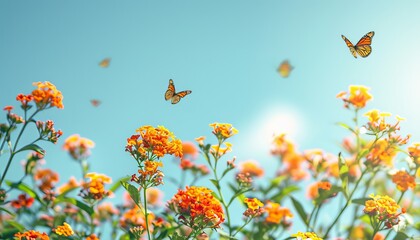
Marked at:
<point>95,102</point>
<point>363,47</point>
<point>105,63</point>
<point>285,68</point>
<point>175,96</point>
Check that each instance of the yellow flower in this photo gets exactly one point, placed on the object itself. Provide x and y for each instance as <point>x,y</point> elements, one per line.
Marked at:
<point>358,96</point>
<point>306,235</point>
<point>404,181</point>
<point>381,204</point>
<point>382,153</point>
<point>78,147</point>
<point>220,151</point>
<point>414,151</point>
<point>253,203</point>
<point>95,189</point>
<point>64,230</point>
<point>223,130</point>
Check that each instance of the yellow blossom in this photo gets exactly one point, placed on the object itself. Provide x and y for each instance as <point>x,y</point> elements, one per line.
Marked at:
<point>306,235</point>
<point>64,230</point>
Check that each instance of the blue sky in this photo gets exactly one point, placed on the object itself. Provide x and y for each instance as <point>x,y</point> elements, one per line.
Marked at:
<point>226,52</point>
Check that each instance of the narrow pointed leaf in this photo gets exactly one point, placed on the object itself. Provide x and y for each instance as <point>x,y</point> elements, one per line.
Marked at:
<point>133,191</point>
<point>301,211</point>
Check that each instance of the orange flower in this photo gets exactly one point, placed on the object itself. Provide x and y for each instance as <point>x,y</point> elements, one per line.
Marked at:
<point>8,108</point>
<point>404,181</point>
<point>252,168</point>
<point>32,235</point>
<point>324,185</point>
<point>78,147</point>
<point>313,189</point>
<point>95,189</point>
<point>71,184</point>
<point>48,179</point>
<point>197,204</point>
<point>276,213</point>
<point>46,95</point>
<point>64,230</point>
<point>378,236</point>
<point>382,153</point>
<point>24,99</point>
<point>92,237</point>
<point>223,130</point>
<point>414,151</point>
<point>282,147</point>
<point>358,96</point>
<point>135,217</point>
<point>154,196</point>
<point>158,141</point>
<point>22,201</point>
<point>189,148</point>
<point>200,140</point>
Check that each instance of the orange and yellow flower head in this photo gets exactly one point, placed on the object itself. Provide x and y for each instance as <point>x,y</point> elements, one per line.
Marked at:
<point>357,96</point>
<point>78,147</point>
<point>32,235</point>
<point>46,95</point>
<point>403,180</point>
<point>223,131</point>
<point>306,236</point>
<point>95,188</point>
<point>255,207</point>
<point>64,230</point>
<point>384,209</point>
<point>277,214</point>
<point>151,142</point>
<point>197,207</point>
<point>251,167</point>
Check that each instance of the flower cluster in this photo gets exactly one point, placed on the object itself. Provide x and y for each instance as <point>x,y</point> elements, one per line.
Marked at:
<point>223,131</point>
<point>151,142</point>
<point>383,209</point>
<point>95,188</point>
<point>46,95</point>
<point>78,147</point>
<point>403,180</point>
<point>197,207</point>
<point>46,131</point>
<point>357,96</point>
<point>64,230</point>
<point>306,235</point>
<point>32,235</point>
<point>277,214</point>
<point>22,202</point>
<point>255,207</point>
<point>48,179</point>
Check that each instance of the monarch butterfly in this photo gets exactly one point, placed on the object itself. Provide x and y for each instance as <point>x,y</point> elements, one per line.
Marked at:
<point>285,68</point>
<point>171,94</point>
<point>105,63</point>
<point>362,47</point>
<point>95,102</point>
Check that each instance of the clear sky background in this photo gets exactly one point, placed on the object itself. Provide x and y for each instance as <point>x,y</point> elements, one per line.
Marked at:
<point>226,52</point>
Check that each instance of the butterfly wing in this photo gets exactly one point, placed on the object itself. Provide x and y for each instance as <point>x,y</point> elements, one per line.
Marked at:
<point>177,97</point>
<point>350,46</point>
<point>363,47</point>
<point>105,63</point>
<point>171,90</point>
<point>285,68</point>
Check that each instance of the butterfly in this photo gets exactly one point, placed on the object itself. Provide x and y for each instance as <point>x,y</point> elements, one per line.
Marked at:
<point>95,102</point>
<point>105,63</point>
<point>362,47</point>
<point>175,96</point>
<point>285,68</point>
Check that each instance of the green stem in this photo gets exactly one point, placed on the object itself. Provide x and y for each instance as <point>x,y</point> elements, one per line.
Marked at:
<point>346,205</point>
<point>145,213</point>
<point>239,229</point>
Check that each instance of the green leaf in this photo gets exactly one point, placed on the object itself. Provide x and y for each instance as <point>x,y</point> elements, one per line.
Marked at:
<point>284,192</point>
<point>133,191</point>
<point>360,201</point>
<point>77,203</point>
<point>117,184</point>
<point>2,209</point>
<point>215,183</point>
<point>345,126</point>
<point>16,225</point>
<point>32,147</point>
<point>125,237</point>
<point>225,235</point>
<point>25,188</point>
<point>301,211</point>
<point>362,154</point>
<point>401,236</point>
